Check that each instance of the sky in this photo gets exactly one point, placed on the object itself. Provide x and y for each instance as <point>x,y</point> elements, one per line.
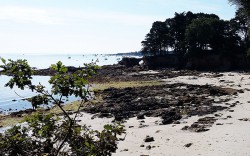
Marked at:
<point>89,26</point>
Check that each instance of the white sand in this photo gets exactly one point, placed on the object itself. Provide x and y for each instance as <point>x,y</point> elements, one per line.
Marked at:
<point>230,139</point>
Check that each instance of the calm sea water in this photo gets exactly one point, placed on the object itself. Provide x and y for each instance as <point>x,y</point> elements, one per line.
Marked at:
<point>10,101</point>
<point>44,61</point>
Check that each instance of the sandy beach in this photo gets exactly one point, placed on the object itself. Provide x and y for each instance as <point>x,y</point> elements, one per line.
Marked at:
<point>228,136</point>
<point>226,133</point>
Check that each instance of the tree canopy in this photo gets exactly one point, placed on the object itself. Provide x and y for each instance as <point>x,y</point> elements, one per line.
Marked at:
<point>194,33</point>
<point>49,134</point>
<point>243,4</point>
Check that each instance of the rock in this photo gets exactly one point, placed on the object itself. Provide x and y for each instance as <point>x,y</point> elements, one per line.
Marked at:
<point>219,124</point>
<point>19,113</point>
<point>244,119</point>
<point>170,116</point>
<point>185,128</point>
<point>188,145</point>
<point>105,115</point>
<point>202,129</point>
<point>142,146</point>
<point>140,116</point>
<point>148,147</point>
<point>143,126</point>
<point>217,75</point>
<point>177,122</point>
<point>241,91</point>
<point>172,101</point>
<point>129,61</point>
<point>149,139</point>
<point>201,125</point>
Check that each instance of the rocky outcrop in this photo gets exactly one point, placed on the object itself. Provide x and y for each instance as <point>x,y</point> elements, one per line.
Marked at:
<point>206,61</point>
<point>49,71</point>
<point>169,101</point>
<point>170,61</point>
<point>130,61</point>
<point>218,62</point>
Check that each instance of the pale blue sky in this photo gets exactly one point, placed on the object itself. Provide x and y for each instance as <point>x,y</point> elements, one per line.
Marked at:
<point>89,26</point>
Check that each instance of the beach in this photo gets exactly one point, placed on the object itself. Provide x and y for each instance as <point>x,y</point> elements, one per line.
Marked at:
<point>125,78</point>
<point>12,100</point>
<point>218,126</point>
<point>226,136</point>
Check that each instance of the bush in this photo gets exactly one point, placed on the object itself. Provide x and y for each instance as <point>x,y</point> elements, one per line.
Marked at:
<point>45,134</point>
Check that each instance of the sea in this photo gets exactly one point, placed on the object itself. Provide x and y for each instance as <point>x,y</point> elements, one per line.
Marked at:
<point>12,100</point>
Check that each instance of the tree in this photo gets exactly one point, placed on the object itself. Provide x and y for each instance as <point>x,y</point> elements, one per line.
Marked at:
<point>243,4</point>
<point>211,35</point>
<point>47,134</point>
<point>157,40</point>
<point>199,34</point>
<point>243,14</point>
<point>240,24</point>
<point>170,35</point>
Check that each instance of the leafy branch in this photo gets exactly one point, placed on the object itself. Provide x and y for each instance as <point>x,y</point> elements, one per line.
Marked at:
<point>49,134</point>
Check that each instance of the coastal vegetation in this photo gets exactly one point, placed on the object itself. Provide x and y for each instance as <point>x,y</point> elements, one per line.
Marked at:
<point>243,4</point>
<point>57,132</point>
<point>188,34</point>
<point>47,134</point>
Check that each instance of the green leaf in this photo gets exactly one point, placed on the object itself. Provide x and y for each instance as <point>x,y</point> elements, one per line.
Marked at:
<point>108,127</point>
<point>3,60</point>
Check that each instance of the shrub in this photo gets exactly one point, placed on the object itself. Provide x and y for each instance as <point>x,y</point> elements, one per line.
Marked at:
<point>46,134</point>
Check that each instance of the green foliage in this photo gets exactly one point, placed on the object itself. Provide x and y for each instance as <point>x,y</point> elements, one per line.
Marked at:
<point>170,35</point>
<point>243,4</point>
<point>19,70</point>
<point>43,133</point>
<point>187,33</point>
<point>37,100</point>
<point>15,141</point>
<point>105,144</point>
<point>71,84</point>
<point>46,134</point>
<point>240,24</point>
<point>209,34</point>
<point>158,40</point>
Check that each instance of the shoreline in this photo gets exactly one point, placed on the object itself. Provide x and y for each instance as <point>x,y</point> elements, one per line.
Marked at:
<point>228,136</point>
<point>224,132</point>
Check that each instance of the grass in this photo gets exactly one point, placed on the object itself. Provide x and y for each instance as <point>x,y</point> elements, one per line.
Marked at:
<point>123,84</point>
<point>73,106</point>
<point>6,121</point>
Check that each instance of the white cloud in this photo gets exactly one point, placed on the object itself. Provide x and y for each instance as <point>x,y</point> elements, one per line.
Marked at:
<point>64,16</point>
<point>107,16</point>
<point>27,15</point>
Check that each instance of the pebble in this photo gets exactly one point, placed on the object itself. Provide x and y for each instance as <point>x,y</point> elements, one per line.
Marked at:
<point>149,139</point>
<point>188,145</point>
